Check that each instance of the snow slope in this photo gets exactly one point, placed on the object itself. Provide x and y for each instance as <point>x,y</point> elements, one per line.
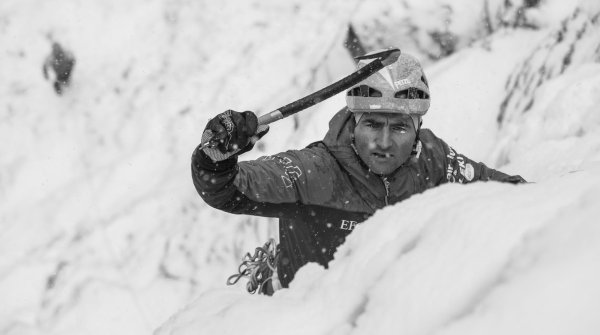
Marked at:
<point>102,232</point>
<point>484,258</point>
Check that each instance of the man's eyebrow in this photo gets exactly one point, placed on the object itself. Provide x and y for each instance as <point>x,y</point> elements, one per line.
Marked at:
<point>399,123</point>
<point>373,120</point>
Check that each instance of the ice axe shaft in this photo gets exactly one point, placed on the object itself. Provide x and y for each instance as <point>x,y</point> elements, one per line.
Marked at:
<point>381,60</point>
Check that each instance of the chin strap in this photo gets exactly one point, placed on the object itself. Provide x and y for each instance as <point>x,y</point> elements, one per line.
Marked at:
<point>417,146</point>
<point>417,149</point>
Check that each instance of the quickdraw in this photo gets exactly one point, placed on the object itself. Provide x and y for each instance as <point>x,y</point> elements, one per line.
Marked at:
<point>258,268</point>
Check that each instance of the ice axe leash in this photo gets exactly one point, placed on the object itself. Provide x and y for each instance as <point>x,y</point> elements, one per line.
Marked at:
<point>381,60</point>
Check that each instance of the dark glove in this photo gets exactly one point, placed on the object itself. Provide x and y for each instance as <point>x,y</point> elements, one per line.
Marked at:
<point>514,179</point>
<point>231,133</point>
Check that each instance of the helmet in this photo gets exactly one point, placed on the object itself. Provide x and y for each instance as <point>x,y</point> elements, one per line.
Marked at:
<point>400,87</point>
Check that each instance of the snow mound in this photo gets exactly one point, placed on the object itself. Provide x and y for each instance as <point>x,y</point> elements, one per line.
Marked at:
<point>483,258</point>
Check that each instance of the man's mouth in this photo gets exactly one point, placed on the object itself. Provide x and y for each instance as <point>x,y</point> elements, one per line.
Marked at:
<point>382,155</point>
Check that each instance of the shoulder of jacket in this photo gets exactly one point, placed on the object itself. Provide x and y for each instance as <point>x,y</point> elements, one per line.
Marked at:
<point>433,149</point>
<point>314,151</point>
<point>425,134</point>
<point>432,160</point>
<point>431,141</point>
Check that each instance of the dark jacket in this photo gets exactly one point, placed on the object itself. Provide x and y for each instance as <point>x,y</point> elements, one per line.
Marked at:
<point>320,193</point>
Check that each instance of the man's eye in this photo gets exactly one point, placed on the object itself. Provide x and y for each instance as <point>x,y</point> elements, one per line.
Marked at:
<point>402,129</point>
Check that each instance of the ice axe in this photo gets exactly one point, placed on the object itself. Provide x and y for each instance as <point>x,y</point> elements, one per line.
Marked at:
<point>381,59</point>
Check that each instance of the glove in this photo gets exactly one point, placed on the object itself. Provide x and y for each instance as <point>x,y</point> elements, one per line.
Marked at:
<point>514,179</point>
<point>231,133</point>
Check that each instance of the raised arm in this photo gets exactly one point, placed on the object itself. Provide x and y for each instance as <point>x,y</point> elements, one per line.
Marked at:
<point>265,187</point>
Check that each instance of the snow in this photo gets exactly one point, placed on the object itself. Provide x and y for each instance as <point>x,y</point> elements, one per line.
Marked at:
<point>461,111</point>
<point>102,231</point>
<point>485,258</point>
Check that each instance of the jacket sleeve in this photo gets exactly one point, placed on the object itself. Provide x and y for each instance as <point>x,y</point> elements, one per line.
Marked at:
<point>264,186</point>
<point>214,180</point>
<point>453,167</point>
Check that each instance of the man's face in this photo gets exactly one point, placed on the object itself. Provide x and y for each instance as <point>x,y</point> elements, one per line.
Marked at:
<point>384,140</point>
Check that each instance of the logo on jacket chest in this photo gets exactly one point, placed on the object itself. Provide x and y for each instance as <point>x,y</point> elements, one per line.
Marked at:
<point>348,224</point>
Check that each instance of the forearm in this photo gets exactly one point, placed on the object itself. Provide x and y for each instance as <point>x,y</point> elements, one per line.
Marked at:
<point>463,170</point>
<point>451,166</point>
<point>214,182</point>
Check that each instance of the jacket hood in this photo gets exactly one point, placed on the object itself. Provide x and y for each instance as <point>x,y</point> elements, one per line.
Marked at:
<point>341,128</point>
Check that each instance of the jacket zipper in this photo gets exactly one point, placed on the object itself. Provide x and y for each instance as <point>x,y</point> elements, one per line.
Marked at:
<point>386,183</point>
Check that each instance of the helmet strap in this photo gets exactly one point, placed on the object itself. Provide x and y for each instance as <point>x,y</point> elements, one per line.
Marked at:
<point>417,146</point>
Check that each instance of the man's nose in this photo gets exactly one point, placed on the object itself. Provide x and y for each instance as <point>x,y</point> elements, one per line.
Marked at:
<point>384,140</point>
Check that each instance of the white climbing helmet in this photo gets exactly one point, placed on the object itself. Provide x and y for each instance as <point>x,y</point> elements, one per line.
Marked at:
<point>400,87</point>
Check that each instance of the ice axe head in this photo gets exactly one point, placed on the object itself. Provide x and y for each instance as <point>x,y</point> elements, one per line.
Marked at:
<point>386,56</point>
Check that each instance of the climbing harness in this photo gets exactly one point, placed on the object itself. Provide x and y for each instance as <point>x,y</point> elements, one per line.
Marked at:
<point>259,269</point>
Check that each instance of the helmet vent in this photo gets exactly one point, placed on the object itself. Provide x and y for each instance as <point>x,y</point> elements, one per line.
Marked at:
<point>424,80</point>
<point>364,91</point>
<point>411,93</point>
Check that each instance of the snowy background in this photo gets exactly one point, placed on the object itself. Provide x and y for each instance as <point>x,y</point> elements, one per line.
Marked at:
<point>101,231</point>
